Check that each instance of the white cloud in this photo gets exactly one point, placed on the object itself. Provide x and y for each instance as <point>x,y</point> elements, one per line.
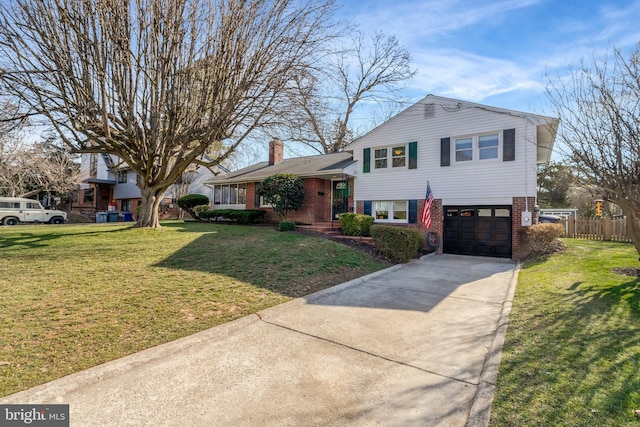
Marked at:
<point>468,76</point>
<point>417,20</point>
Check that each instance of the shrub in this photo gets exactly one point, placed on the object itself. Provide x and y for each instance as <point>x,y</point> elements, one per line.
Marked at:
<point>286,226</point>
<point>247,216</point>
<point>190,201</point>
<point>542,239</point>
<point>198,210</point>
<point>284,192</point>
<point>399,244</point>
<point>355,224</point>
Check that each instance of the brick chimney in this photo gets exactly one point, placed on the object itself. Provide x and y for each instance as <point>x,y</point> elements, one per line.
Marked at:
<point>276,152</point>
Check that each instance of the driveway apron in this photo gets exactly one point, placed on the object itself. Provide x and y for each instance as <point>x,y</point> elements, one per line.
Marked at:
<point>416,344</point>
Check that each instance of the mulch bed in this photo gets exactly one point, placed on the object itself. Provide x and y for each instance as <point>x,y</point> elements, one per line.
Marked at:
<point>627,271</point>
<point>359,245</point>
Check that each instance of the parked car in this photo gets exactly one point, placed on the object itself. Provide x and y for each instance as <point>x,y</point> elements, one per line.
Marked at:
<point>553,219</point>
<point>14,210</point>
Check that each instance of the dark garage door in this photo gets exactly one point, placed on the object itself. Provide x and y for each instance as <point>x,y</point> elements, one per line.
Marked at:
<point>477,230</point>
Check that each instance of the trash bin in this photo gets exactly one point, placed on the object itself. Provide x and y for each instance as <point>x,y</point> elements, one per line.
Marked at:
<point>127,216</point>
<point>113,217</point>
<point>101,217</point>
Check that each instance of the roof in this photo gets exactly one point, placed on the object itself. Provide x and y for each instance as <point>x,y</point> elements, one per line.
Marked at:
<point>320,166</point>
<point>100,181</point>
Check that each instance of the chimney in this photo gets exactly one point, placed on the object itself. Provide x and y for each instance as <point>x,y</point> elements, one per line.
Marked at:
<point>276,152</point>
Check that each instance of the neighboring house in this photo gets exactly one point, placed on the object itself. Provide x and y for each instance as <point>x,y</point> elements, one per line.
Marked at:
<point>327,179</point>
<point>480,162</point>
<point>107,181</point>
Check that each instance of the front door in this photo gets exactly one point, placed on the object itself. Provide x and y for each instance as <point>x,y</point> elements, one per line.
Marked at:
<point>339,198</point>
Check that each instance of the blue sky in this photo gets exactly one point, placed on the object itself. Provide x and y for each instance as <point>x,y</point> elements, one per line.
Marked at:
<point>497,52</point>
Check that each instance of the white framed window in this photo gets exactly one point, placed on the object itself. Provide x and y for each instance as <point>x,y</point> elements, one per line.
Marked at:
<point>380,158</point>
<point>396,156</point>
<point>399,156</point>
<point>464,149</point>
<point>229,194</point>
<point>390,211</point>
<point>477,147</point>
<point>488,146</point>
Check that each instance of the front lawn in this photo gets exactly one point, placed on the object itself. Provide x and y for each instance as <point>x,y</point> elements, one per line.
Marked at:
<point>572,351</point>
<point>79,295</point>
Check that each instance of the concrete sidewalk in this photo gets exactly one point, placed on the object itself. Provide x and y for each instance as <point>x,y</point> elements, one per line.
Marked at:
<point>416,344</point>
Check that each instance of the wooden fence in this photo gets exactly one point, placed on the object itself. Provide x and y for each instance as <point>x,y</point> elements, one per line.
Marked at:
<point>611,229</point>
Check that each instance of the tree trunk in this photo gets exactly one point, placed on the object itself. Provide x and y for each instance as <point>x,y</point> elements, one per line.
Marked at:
<point>633,228</point>
<point>149,205</point>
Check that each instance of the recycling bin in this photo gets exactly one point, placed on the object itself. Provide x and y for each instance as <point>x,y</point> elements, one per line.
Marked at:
<point>101,217</point>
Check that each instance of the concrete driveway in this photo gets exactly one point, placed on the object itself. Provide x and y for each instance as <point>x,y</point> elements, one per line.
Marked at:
<point>416,344</point>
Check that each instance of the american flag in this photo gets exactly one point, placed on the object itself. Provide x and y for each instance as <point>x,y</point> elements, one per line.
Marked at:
<point>426,210</point>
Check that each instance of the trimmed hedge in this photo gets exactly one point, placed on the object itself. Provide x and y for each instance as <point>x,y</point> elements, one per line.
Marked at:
<point>190,201</point>
<point>542,239</point>
<point>355,224</point>
<point>247,216</point>
<point>399,244</point>
<point>200,209</point>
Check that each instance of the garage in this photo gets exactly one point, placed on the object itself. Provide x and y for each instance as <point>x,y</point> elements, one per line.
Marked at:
<point>477,230</point>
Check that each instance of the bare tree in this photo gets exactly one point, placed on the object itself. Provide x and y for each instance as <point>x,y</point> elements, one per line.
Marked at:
<point>157,82</point>
<point>32,168</point>
<point>599,109</point>
<point>182,184</point>
<point>327,95</point>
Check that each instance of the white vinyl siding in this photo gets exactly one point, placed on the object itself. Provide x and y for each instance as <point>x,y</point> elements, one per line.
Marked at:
<point>487,182</point>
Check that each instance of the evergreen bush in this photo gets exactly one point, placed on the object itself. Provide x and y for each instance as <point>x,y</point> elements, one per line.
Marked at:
<point>399,244</point>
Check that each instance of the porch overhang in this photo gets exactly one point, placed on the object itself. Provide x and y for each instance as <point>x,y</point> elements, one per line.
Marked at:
<point>100,181</point>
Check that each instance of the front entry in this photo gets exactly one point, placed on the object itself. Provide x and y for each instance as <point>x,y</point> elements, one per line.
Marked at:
<point>339,198</point>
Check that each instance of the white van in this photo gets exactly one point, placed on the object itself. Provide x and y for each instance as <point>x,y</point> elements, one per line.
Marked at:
<point>14,210</point>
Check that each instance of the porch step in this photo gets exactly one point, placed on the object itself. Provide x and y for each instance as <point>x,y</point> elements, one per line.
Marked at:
<point>321,227</point>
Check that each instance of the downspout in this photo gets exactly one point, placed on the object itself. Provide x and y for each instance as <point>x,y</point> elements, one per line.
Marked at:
<point>527,219</point>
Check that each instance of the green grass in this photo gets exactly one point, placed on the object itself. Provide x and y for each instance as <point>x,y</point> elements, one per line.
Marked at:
<point>79,295</point>
<point>572,350</point>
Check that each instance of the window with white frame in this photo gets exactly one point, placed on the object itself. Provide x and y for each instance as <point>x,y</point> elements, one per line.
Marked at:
<point>464,149</point>
<point>380,158</point>
<point>389,210</point>
<point>480,147</point>
<point>488,146</point>
<point>229,194</point>
<point>396,156</point>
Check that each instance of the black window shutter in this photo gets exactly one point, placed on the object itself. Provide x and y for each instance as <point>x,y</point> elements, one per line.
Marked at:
<point>445,151</point>
<point>366,164</point>
<point>413,211</point>
<point>413,155</point>
<point>367,207</point>
<point>508,145</point>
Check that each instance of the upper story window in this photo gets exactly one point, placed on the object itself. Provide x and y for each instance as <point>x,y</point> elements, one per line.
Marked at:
<point>122,176</point>
<point>477,147</point>
<point>93,164</point>
<point>395,156</point>
<point>398,156</point>
<point>464,149</point>
<point>488,146</point>
<point>380,156</point>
